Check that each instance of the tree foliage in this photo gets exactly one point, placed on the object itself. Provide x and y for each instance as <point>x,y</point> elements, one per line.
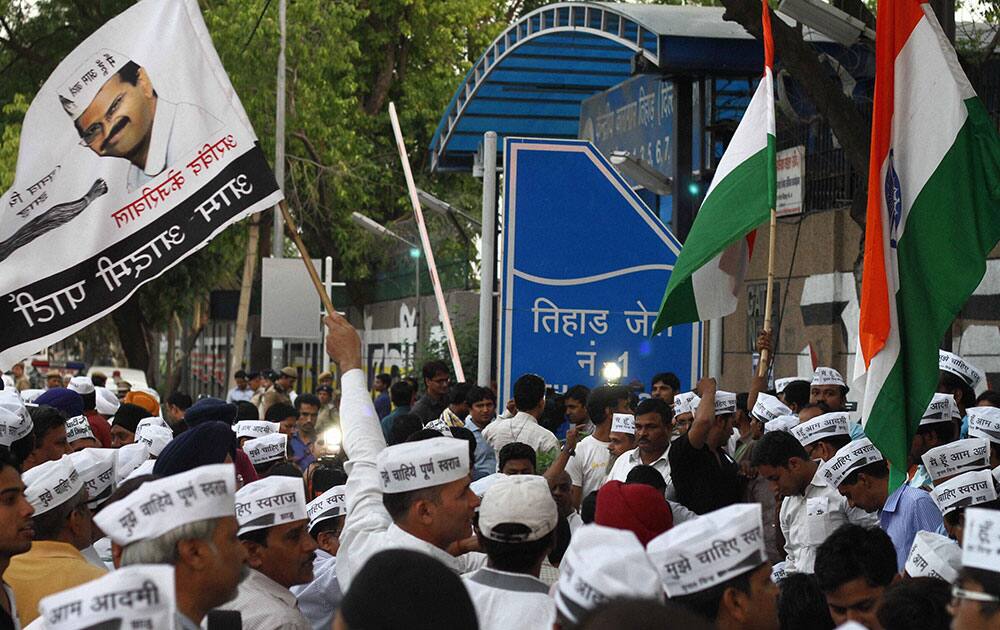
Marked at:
<point>345,62</point>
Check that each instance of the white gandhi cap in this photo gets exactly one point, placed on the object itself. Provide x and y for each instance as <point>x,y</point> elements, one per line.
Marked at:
<point>266,449</point>
<point>330,504</point>
<point>270,502</point>
<point>821,427</point>
<point>81,385</point>
<point>156,507</point>
<point>827,376</point>
<point>623,423</point>
<point>699,554</point>
<point>86,80</point>
<point>984,422</point>
<point>934,555</point>
<point>601,564</point>
<point>942,408</point>
<point>956,457</point>
<point>49,485</point>
<point>850,457</point>
<point>15,421</point>
<point>424,464</point>
<point>767,407</point>
<point>981,539</point>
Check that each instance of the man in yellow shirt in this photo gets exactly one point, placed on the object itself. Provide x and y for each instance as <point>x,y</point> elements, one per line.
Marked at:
<point>15,528</point>
<point>63,525</point>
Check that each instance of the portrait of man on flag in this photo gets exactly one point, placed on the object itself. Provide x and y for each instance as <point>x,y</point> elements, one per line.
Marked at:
<point>118,113</point>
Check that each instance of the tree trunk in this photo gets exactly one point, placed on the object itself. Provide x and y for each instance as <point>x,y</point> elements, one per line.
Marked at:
<point>803,64</point>
<point>131,325</point>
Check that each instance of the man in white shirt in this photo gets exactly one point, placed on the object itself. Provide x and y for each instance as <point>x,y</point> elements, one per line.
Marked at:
<point>589,464</point>
<point>394,501</point>
<point>318,600</point>
<point>120,115</point>
<point>274,529</point>
<point>811,509</point>
<point>652,436</point>
<point>517,521</point>
<point>529,396</point>
<point>242,390</point>
<point>187,521</point>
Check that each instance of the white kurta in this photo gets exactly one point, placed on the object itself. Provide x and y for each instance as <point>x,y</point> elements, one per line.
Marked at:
<point>631,459</point>
<point>266,605</point>
<point>506,601</point>
<point>807,520</point>
<point>178,129</point>
<point>368,527</point>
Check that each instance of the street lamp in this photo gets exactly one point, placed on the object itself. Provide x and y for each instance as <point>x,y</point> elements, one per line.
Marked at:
<point>642,172</point>
<point>440,206</point>
<point>841,27</point>
<point>370,225</point>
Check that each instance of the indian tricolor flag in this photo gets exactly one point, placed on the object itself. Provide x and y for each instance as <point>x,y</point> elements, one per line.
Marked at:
<point>709,271</point>
<point>933,216</point>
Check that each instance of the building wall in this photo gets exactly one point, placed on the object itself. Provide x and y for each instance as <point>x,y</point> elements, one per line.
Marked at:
<point>389,329</point>
<point>817,304</point>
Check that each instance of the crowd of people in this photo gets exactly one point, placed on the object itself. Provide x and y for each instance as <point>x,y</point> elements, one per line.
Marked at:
<point>380,507</point>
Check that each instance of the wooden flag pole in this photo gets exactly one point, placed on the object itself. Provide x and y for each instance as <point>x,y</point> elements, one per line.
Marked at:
<point>294,232</point>
<point>246,287</point>
<point>426,242</point>
<point>765,357</point>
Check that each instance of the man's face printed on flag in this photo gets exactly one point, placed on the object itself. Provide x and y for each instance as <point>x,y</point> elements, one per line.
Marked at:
<point>119,120</point>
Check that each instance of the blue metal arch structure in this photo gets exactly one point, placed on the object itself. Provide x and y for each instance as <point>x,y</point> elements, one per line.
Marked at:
<point>532,78</point>
<point>535,74</point>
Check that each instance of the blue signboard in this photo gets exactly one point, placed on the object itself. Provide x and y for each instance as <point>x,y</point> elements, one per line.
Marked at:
<point>636,116</point>
<point>585,263</point>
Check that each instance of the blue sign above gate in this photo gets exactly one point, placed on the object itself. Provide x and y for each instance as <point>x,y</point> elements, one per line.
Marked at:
<point>584,266</point>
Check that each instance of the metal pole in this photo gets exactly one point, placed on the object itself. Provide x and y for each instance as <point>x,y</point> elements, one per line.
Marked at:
<point>277,249</point>
<point>419,315</point>
<point>328,285</point>
<point>715,347</point>
<point>487,258</point>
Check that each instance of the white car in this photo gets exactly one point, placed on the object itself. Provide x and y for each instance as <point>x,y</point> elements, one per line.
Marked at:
<point>135,378</point>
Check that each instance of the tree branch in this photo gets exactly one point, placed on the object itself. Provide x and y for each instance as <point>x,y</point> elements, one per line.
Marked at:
<point>802,62</point>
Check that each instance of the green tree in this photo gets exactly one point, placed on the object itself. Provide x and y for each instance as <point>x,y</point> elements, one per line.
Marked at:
<point>346,61</point>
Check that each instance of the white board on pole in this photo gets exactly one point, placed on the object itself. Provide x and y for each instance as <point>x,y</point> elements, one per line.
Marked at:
<point>290,307</point>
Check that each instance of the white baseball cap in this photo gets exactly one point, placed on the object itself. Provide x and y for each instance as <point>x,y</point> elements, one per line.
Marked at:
<point>522,500</point>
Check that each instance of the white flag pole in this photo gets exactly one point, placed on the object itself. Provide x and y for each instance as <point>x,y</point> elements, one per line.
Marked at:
<point>426,242</point>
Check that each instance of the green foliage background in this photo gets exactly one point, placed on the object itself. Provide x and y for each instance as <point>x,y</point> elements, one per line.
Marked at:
<point>346,60</point>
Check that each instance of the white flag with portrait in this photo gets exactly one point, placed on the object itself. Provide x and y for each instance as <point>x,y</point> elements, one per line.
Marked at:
<point>134,154</point>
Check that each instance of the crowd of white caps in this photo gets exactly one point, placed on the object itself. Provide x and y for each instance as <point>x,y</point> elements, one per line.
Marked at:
<point>711,557</point>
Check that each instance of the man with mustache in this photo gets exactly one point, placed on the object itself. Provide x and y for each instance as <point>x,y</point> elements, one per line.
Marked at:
<point>119,114</point>
<point>188,521</point>
<point>274,529</point>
